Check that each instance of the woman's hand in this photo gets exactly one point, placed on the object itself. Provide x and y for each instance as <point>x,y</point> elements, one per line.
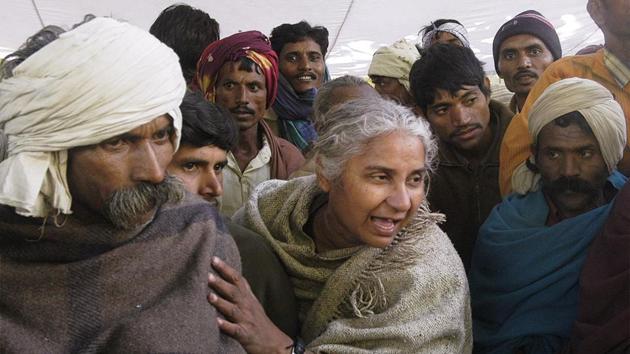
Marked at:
<point>245,319</point>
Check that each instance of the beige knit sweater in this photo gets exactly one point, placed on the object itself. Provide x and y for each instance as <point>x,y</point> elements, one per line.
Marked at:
<point>410,297</point>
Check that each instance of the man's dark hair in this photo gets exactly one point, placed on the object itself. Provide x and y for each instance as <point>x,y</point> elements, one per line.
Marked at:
<point>447,67</point>
<point>205,123</point>
<point>34,43</point>
<point>292,33</point>
<point>188,31</point>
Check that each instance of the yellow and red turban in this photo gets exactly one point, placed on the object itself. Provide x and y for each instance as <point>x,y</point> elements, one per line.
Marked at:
<point>251,44</point>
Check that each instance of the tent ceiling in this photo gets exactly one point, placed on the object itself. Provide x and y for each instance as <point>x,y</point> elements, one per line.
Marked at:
<point>357,27</point>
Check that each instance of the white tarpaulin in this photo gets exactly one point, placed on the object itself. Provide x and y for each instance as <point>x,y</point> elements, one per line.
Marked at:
<point>357,28</point>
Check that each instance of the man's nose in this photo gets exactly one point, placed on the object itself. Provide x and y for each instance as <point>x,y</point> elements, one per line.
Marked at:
<point>146,164</point>
<point>211,186</point>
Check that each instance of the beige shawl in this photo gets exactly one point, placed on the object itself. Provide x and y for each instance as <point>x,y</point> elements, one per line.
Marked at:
<point>411,297</point>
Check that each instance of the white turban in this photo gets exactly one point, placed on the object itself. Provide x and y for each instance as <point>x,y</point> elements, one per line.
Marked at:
<point>453,28</point>
<point>395,61</point>
<point>100,80</point>
<point>598,106</point>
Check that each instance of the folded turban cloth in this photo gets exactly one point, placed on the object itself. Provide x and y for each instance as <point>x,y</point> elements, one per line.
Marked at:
<point>100,80</point>
<point>395,61</point>
<point>251,44</point>
<point>598,106</point>
<point>453,28</point>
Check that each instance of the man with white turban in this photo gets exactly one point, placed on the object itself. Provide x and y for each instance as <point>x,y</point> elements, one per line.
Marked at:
<point>528,256</point>
<point>389,71</point>
<point>447,31</point>
<point>100,249</point>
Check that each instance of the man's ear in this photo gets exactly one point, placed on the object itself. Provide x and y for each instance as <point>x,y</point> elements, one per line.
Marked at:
<point>595,9</point>
<point>486,83</point>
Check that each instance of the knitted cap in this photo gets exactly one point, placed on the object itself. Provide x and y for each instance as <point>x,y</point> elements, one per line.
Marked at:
<point>527,22</point>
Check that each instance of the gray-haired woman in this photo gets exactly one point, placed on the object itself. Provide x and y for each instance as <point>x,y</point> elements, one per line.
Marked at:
<point>371,270</point>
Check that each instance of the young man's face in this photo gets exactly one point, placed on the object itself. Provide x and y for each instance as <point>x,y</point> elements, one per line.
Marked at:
<point>201,170</point>
<point>302,63</point>
<point>522,60</point>
<point>461,120</point>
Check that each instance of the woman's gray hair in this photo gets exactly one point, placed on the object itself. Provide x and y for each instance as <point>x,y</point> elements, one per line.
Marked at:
<point>349,127</point>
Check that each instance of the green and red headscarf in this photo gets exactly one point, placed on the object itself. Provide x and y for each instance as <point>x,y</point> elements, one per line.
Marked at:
<point>251,44</point>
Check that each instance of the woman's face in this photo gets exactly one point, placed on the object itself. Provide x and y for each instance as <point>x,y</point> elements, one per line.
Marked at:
<point>379,191</point>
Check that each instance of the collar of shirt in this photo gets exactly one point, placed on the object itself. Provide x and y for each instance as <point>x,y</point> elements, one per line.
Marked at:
<point>617,68</point>
<point>262,158</point>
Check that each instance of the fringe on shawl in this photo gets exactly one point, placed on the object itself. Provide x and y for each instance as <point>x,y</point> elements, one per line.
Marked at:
<point>368,296</point>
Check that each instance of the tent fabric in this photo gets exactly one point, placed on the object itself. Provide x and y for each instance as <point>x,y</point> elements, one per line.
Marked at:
<point>357,27</point>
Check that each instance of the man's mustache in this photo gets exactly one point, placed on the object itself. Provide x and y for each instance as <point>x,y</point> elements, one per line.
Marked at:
<point>524,72</point>
<point>242,109</point>
<point>571,184</point>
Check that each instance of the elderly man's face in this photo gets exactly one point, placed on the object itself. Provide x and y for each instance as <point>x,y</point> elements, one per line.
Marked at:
<point>133,162</point>
<point>302,63</point>
<point>377,195</point>
<point>391,88</point>
<point>243,93</point>
<point>462,120</point>
<point>522,60</point>
<point>572,168</point>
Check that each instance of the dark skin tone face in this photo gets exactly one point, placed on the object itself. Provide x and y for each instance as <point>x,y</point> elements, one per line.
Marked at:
<point>572,168</point>
<point>462,120</point>
<point>140,155</point>
<point>522,60</point>
<point>392,89</point>
<point>302,63</point>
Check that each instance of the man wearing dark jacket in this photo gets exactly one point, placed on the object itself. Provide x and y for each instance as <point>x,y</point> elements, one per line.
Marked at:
<point>453,93</point>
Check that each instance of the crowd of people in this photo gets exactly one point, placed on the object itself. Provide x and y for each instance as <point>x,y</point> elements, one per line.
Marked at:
<point>175,191</point>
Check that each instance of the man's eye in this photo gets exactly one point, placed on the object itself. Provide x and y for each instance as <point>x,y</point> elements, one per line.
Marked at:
<point>508,56</point>
<point>219,167</point>
<point>440,111</point>
<point>416,179</point>
<point>553,154</point>
<point>291,57</point>
<point>113,143</point>
<point>535,51</point>
<point>190,167</point>
<point>586,154</point>
<point>471,101</point>
<point>162,135</point>
<point>315,57</point>
<point>228,85</point>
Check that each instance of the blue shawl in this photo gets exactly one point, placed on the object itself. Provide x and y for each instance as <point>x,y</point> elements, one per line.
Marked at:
<point>524,275</point>
<point>294,111</point>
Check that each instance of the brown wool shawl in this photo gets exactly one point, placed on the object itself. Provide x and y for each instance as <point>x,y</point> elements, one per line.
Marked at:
<point>410,297</point>
<point>86,287</point>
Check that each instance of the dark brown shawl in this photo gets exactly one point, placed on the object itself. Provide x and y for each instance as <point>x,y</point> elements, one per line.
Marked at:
<point>285,157</point>
<point>603,324</point>
<point>85,287</point>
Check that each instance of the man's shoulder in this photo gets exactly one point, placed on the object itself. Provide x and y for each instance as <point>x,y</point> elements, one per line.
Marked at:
<point>574,65</point>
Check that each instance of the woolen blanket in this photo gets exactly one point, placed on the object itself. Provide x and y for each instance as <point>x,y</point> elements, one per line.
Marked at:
<point>87,287</point>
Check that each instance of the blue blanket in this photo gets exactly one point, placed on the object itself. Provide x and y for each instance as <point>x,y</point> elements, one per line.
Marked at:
<point>524,275</point>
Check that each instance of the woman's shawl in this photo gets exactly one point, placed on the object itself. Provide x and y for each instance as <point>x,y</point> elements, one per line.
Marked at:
<point>524,275</point>
<point>410,297</point>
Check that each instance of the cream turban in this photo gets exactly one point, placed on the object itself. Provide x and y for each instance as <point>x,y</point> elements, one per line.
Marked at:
<point>602,113</point>
<point>395,61</point>
<point>97,81</point>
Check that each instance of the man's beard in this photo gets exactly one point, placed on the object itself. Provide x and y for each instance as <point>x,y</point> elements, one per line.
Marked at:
<point>126,207</point>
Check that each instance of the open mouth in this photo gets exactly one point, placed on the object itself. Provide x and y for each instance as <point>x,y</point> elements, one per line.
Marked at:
<point>306,78</point>
<point>385,227</point>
